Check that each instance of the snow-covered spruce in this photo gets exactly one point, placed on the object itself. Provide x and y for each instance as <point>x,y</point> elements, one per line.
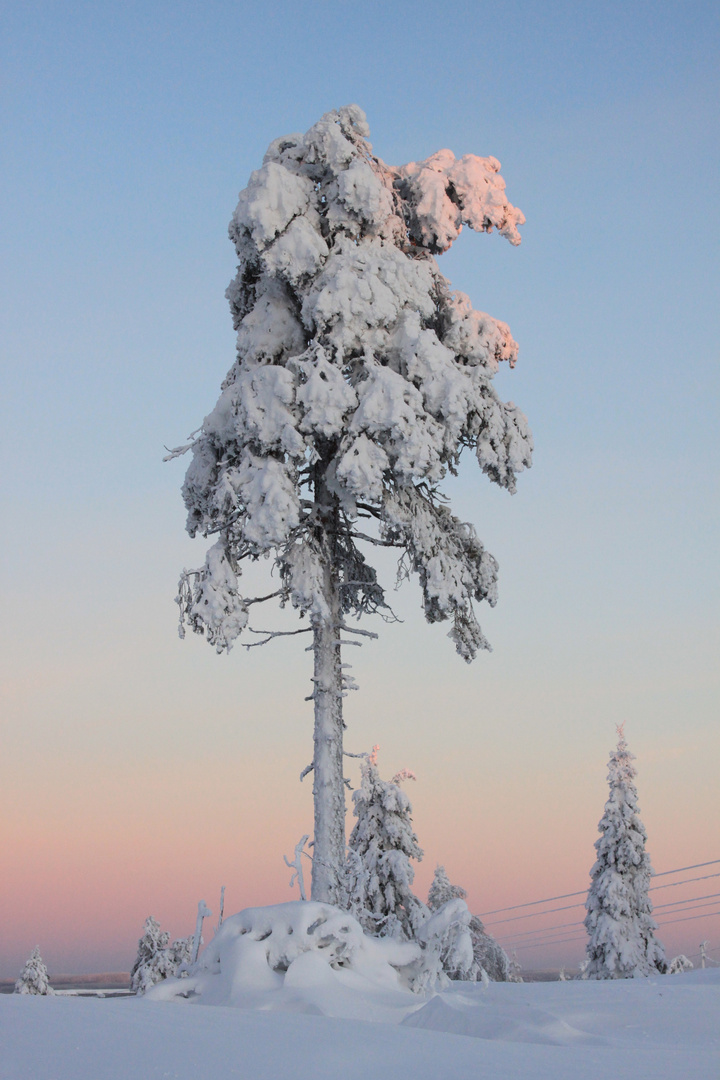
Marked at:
<point>619,922</point>
<point>488,955</point>
<point>156,958</point>
<point>360,378</point>
<point>381,845</point>
<point>33,978</point>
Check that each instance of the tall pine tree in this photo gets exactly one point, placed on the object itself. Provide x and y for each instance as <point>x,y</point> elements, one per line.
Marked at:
<point>619,922</point>
<point>359,380</point>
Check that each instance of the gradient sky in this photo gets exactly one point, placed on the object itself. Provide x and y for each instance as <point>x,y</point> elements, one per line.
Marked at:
<point>139,773</point>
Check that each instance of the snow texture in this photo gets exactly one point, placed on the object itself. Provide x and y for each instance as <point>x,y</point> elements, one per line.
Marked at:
<point>664,1028</point>
<point>622,942</point>
<point>33,978</point>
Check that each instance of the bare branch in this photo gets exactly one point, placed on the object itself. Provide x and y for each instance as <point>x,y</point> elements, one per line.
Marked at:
<point>308,769</point>
<point>273,634</point>
<point>261,600</point>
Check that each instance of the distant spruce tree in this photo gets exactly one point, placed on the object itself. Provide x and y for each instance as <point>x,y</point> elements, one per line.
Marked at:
<point>619,922</point>
<point>34,976</point>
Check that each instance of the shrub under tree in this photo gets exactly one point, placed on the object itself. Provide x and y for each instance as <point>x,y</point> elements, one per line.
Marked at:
<point>488,955</point>
<point>359,380</point>
<point>621,930</point>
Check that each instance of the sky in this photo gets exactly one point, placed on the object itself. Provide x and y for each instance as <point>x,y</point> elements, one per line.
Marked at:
<point>140,773</point>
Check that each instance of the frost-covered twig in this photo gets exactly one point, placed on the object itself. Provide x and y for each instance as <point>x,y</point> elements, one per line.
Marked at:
<point>204,912</point>
<point>296,864</point>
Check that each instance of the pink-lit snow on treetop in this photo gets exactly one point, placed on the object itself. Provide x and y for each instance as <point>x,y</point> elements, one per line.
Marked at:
<point>449,193</point>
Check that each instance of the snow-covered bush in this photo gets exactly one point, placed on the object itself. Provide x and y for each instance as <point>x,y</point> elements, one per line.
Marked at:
<point>34,978</point>
<point>447,946</point>
<point>488,955</point>
<point>156,958</point>
<point>288,947</point>
<point>622,942</point>
<point>381,846</point>
<point>679,964</point>
<point>360,379</point>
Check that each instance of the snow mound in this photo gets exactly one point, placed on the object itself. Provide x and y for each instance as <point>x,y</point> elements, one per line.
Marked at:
<point>469,1012</point>
<point>299,957</point>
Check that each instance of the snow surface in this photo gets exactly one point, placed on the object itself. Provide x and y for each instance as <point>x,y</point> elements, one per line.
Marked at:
<point>664,1028</point>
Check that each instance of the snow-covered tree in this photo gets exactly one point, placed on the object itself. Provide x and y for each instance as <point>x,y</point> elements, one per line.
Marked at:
<point>156,958</point>
<point>359,380</point>
<point>488,955</point>
<point>441,890</point>
<point>619,922</point>
<point>34,978</point>
<point>680,963</point>
<point>381,846</point>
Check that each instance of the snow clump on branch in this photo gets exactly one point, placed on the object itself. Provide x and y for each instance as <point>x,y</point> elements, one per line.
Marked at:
<point>359,370</point>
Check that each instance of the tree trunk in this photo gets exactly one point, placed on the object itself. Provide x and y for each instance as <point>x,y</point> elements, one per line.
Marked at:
<point>328,785</point>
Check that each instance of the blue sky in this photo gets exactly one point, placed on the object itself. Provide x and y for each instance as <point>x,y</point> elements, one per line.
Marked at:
<point>128,131</point>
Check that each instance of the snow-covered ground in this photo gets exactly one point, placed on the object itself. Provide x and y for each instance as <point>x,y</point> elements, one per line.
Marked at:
<point>663,1028</point>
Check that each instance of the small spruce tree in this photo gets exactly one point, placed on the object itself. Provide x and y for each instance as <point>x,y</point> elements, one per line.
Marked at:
<point>34,976</point>
<point>381,846</point>
<point>622,942</point>
<point>441,890</point>
<point>156,958</point>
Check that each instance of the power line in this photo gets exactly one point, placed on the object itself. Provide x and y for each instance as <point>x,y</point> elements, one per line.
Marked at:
<point>533,903</point>
<point>567,907</point>
<point>582,892</point>
<point>691,900</point>
<point>682,869</point>
<point>674,884</point>
<point>534,914</point>
<point>689,918</point>
<point>510,941</point>
<point>542,944</point>
<point>580,936</point>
